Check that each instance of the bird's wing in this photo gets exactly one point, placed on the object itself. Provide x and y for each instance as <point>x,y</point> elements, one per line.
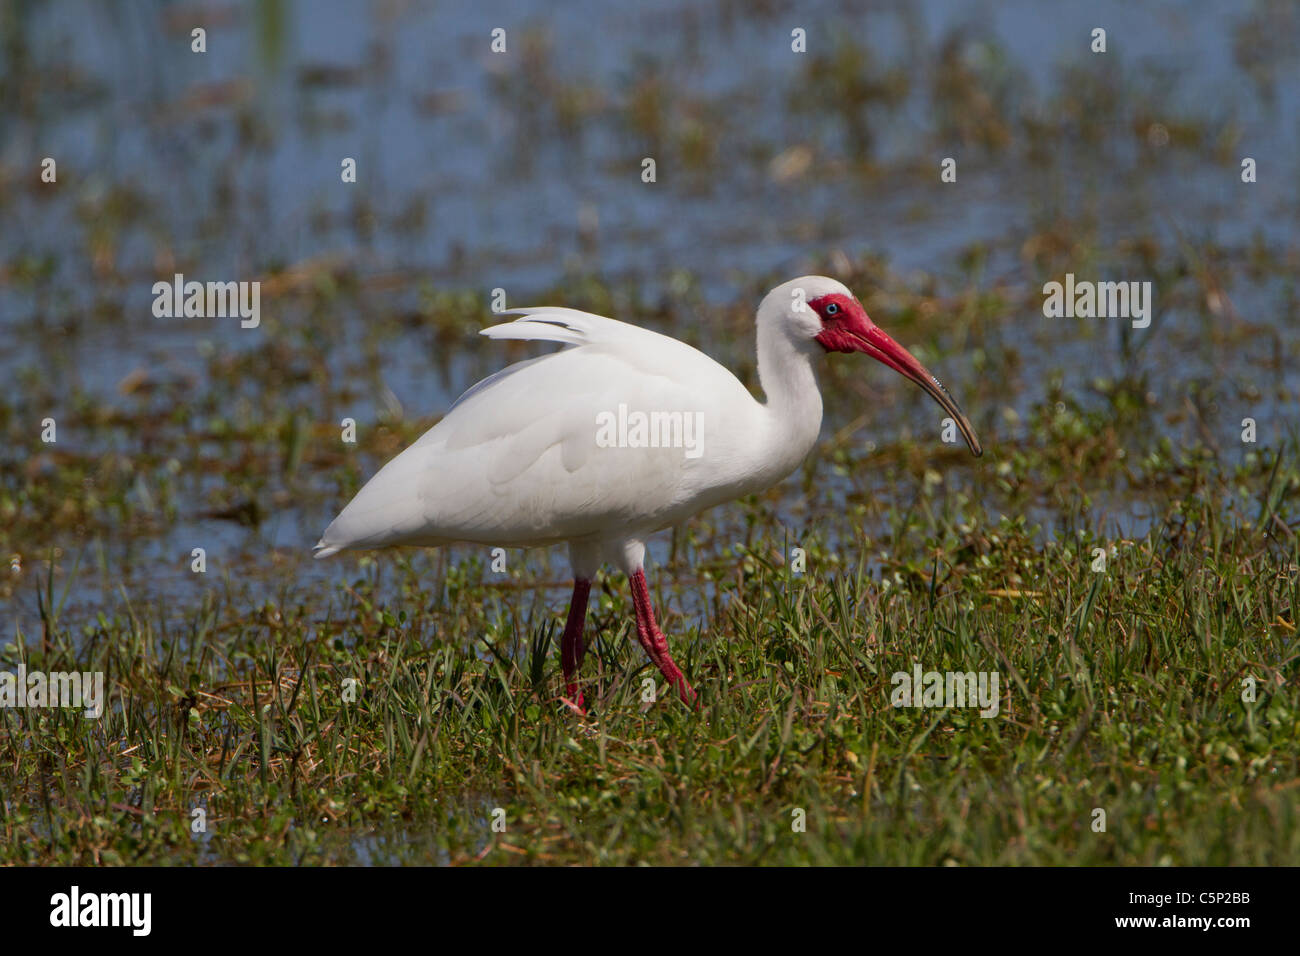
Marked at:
<point>492,380</point>
<point>573,327</point>
<point>517,460</point>
<point>551,324</point>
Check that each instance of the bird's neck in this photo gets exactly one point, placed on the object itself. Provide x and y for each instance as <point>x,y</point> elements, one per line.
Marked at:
<point>794,401</point>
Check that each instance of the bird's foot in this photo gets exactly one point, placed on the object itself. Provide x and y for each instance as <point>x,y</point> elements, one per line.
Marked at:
<point>687,693</point>
<point>677,679</point>
<point>574,701</point>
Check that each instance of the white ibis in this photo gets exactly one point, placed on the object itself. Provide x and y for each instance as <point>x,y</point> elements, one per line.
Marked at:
<point>621,433</point>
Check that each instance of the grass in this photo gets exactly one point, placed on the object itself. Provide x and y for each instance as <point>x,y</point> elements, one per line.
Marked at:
<point>1121,691</point>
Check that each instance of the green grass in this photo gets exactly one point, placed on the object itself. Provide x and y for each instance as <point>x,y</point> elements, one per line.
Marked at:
<point>1121,691</point>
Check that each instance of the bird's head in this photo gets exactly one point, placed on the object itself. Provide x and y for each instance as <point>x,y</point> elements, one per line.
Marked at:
<point>820,310</point>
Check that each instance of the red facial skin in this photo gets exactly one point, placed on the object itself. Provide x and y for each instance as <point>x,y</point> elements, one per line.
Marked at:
<point>846,327</point>
<point>845,324</point>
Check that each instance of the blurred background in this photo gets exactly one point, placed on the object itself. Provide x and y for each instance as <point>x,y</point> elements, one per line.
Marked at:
<point>522,171</point>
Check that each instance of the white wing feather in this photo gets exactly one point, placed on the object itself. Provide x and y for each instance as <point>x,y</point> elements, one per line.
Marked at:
<point>515,461</point>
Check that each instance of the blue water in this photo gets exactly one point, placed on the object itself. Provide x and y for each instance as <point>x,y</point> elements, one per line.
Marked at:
<point>226,165</point>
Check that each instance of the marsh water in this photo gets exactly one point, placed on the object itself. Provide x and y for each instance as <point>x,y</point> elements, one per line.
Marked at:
<point>522,171</point>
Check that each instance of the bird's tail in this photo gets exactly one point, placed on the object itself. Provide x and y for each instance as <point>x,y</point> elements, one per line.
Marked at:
<point>323,550</point>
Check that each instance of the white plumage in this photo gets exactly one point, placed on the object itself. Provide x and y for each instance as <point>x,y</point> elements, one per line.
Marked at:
<point>515,462</point>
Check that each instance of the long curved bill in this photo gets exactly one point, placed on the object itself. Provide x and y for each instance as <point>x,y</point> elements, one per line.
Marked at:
<point>877,343</point>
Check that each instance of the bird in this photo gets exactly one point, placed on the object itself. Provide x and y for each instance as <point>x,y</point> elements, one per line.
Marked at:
<point>619,434</point>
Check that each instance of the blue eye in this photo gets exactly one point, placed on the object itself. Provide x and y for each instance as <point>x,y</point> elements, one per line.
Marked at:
<point>832,309</point>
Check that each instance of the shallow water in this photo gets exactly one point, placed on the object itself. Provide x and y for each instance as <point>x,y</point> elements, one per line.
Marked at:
<point>522,172</point>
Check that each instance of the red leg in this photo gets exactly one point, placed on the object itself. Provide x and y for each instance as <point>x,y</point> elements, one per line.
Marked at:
<point>653,640</point>
<point>571,647</point>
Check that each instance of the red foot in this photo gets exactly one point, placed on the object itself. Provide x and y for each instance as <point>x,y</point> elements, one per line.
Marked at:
<point>572,650</point>
<point>574,704</point>
<point>653,640</point>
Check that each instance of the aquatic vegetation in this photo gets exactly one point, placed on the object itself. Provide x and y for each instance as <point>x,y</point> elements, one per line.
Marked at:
<point>1124,557</point>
